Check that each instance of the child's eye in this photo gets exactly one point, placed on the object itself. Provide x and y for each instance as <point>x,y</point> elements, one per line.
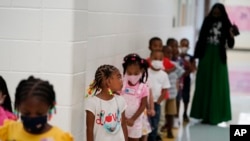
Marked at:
<point>40,114</point>
<point>26,114</point>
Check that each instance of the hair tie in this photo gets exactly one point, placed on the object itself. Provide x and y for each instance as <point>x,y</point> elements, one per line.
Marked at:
<point>142,61</point>
<point>90,89</point>
<point>133,58</point>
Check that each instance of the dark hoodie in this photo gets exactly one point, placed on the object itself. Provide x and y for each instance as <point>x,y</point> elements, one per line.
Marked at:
<point>223,39</point>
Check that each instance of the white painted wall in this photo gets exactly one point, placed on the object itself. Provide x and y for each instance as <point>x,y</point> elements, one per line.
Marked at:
<point>48,39</point>
<point>64,41</point>
<point>185,32</point>
<point>242,41</point>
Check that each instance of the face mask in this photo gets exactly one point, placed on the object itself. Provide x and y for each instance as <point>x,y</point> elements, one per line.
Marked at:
<point>179,49</point>
<point>34,124</point>
<point>133,78</point>
<point>184,50</point>
<point>156,64</point>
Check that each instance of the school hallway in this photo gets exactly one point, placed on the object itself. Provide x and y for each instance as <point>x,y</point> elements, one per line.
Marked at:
<point>239,74</point>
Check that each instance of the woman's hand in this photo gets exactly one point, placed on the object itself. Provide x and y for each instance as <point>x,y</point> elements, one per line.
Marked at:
<point>231,32</point>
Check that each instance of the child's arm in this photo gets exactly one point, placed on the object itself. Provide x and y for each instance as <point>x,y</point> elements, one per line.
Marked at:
<point>90,125</point>
<point>193,65</point>
<point>162,97</point>
<point>168,65</point>
<point>142,107</point>
<point>151,108</point>
<point>170,70</point>
<point>124,127</point>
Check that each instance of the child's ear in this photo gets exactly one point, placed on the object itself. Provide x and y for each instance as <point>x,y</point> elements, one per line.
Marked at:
<point>2,98</point>
<point>149,47</point>
<point>108,82</point>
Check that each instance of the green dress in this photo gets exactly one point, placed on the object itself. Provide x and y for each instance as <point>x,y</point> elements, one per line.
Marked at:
<point>211,101</point>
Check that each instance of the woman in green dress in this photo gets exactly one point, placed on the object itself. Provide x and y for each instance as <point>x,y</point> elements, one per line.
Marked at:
<point>211,101</point>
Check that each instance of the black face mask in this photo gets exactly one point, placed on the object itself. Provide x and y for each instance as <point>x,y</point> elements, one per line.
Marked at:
<point>34,125</point>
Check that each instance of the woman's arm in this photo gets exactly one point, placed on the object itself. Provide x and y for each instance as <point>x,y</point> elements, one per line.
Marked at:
<point>90,125</point>
<point>138,112</point>
<point>198,50</point>
<point>124,127</point>
<point>230,38</point>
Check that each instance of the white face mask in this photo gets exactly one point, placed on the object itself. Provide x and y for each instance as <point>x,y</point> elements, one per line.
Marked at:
<point>184,50</point>
<point>133,78</point>
<point>156,64</point>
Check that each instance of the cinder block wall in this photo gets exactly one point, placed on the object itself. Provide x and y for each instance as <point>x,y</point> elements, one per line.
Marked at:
<point>64,41</point>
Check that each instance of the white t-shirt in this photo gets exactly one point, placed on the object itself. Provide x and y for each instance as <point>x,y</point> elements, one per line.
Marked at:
<point>108,115</point>
<point>157,80</point>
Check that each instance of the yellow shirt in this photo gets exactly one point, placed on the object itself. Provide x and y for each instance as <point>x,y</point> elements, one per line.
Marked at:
<point>13,131</point>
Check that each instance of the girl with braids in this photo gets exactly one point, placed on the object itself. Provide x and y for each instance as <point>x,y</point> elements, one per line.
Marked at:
<point>105,117</point>
<point>34,100</point>
<point>5,103</point>
<point>135,93</point>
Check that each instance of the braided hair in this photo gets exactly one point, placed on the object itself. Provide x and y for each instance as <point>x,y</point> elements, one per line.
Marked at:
<point>132,59</point>
<point>102,73</point>
<point>7,102</point>
<point>35,87</point>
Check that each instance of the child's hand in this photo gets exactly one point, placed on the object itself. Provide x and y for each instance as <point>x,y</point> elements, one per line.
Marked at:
<point>151,112</point>
<point>2,98</point>
<point>130,122</point>
<point>187,65</point>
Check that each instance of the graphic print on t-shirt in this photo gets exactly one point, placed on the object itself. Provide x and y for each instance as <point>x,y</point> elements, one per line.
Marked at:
<point>215,33</point>
<point>110,121</point>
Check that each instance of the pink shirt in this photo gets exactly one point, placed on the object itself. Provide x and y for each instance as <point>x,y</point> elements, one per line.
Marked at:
<point>133,96</point>
<point>4,114</point>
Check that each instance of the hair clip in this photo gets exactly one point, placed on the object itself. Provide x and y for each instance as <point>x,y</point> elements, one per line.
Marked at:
<point>16,113</point>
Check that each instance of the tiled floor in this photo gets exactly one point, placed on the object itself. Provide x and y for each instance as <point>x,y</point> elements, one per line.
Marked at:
<point>239,73</point>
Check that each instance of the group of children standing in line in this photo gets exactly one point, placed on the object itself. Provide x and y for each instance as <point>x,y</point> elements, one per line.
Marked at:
<point>131,109</point>
<point>133,106</point>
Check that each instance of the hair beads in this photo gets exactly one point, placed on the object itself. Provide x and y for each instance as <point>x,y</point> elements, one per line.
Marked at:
<point>110,91</point>
<point>33,87</point>
<point>102,73</point>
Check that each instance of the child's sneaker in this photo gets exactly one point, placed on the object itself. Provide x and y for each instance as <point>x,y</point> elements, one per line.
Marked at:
<point>164,128</point>
<point>185,118</point>
<point>158,138</point>
<point>170,135</point>
<point>176,123</point>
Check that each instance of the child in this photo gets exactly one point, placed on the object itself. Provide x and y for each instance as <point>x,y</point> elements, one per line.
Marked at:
<point>188,63</point>
<point>173,43</point>
<point>105,109</point>
<point>135,93</point>
<point>5,103</point>
<point>170,106</point>
<point>34,99</point>
<point>155,44</point>
<point>159,83</point>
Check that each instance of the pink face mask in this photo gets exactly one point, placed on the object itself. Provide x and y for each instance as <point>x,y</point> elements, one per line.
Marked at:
<point>133,78</point>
